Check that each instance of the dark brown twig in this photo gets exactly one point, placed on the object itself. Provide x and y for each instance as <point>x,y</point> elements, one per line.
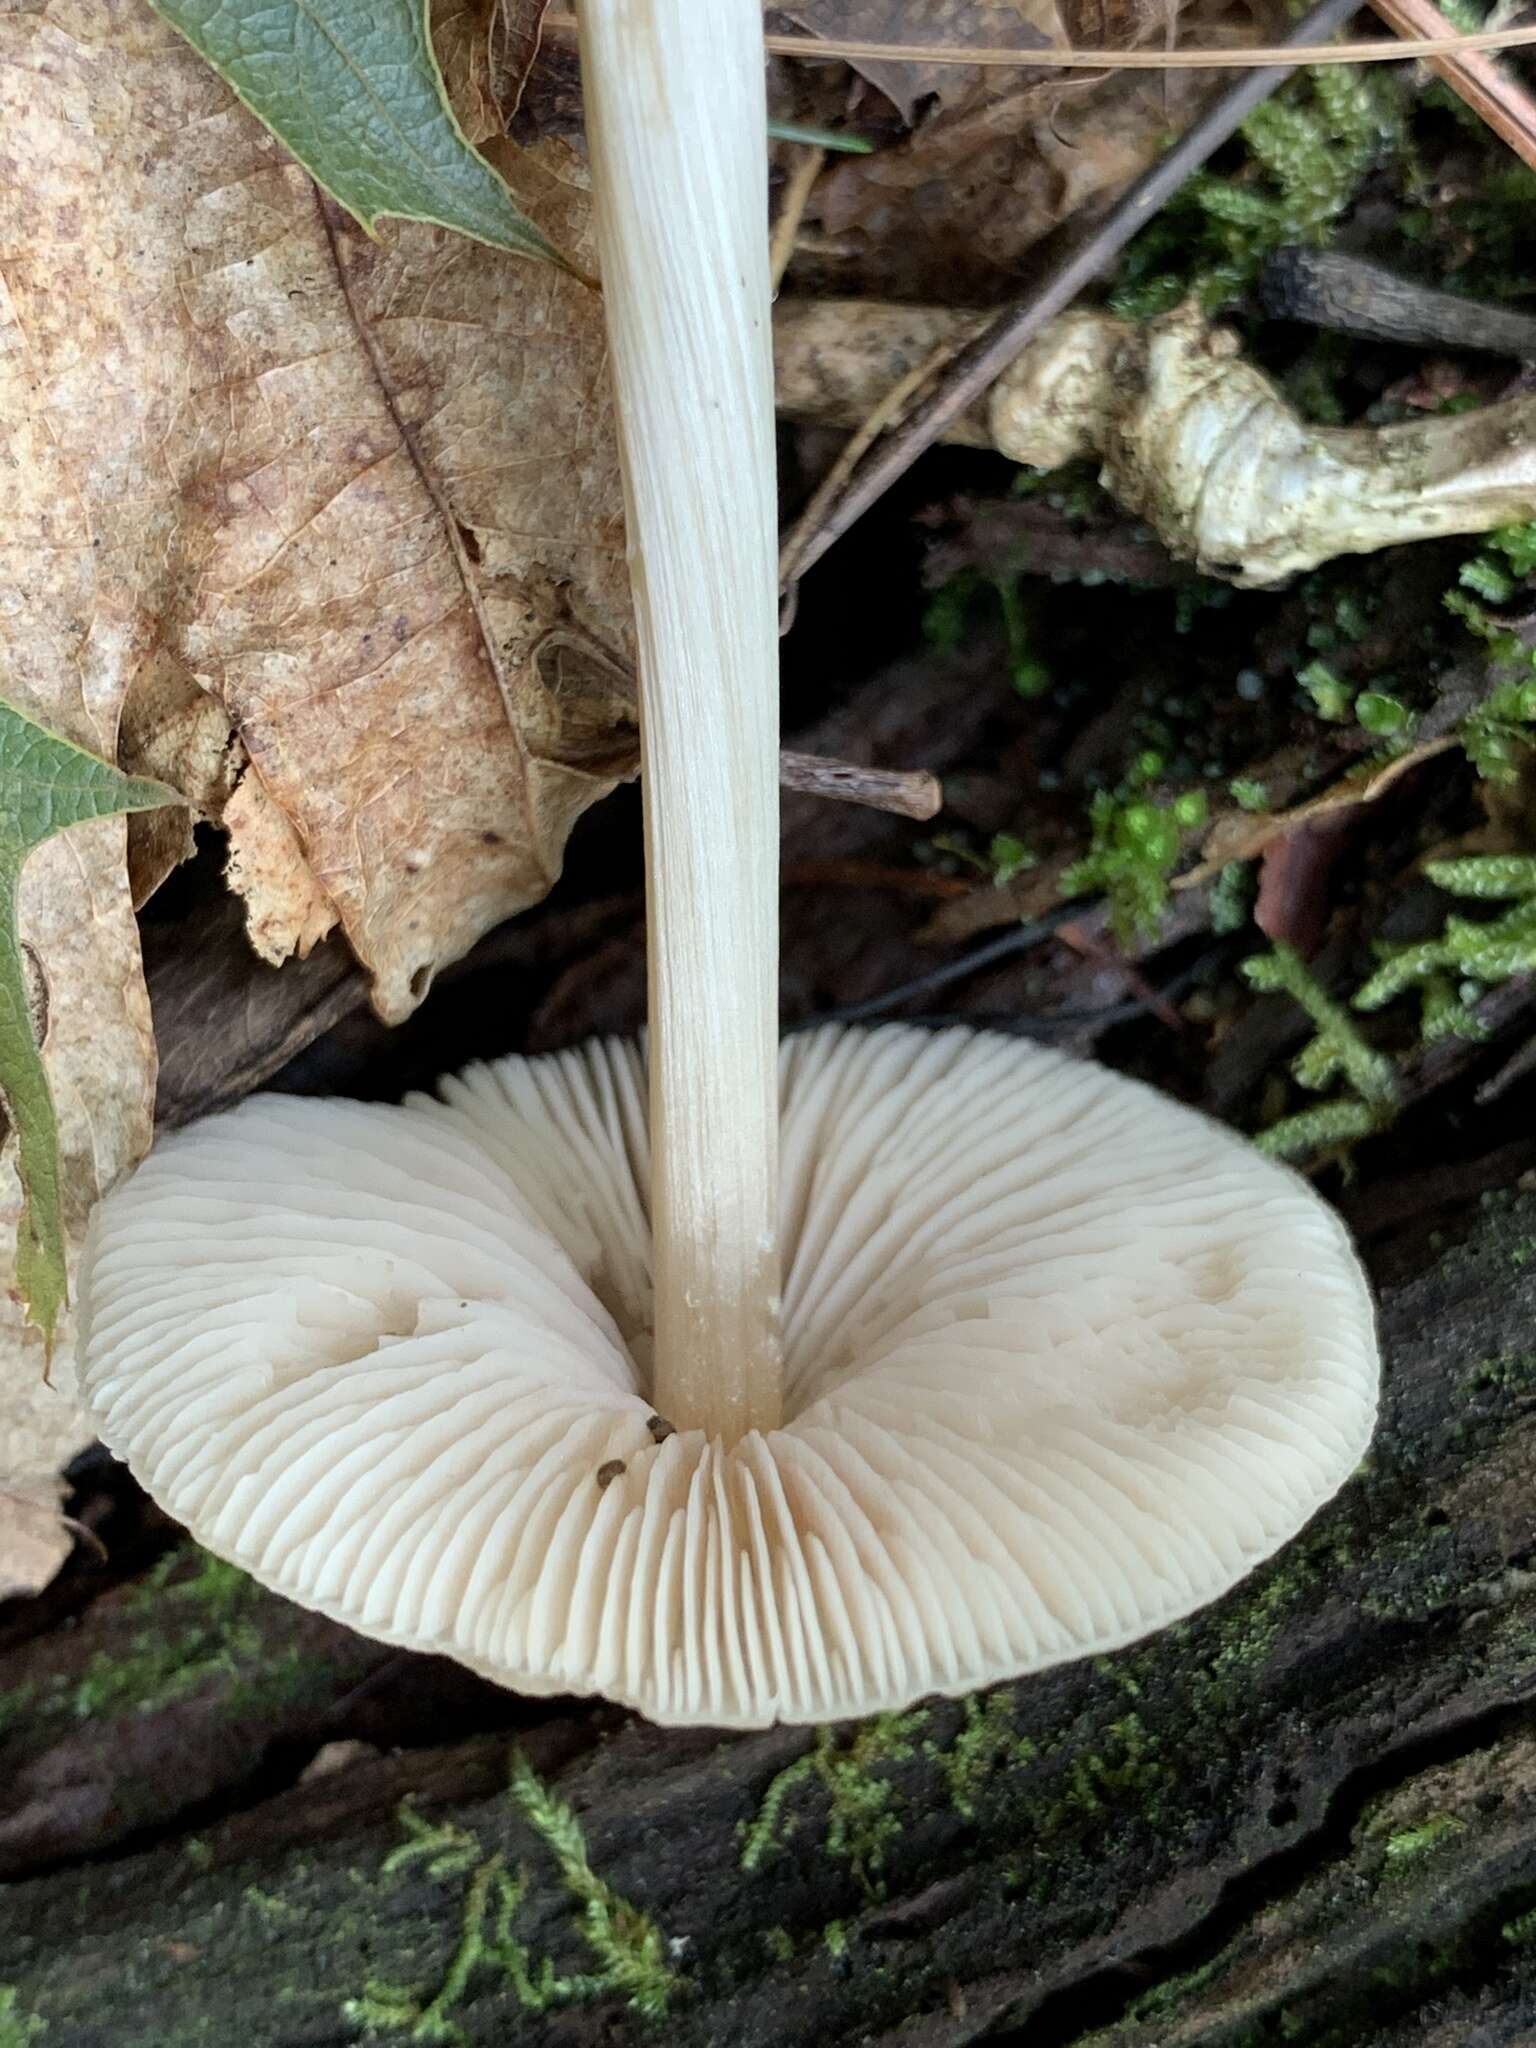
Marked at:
<point>979,365</point>
<point>1327,288</point>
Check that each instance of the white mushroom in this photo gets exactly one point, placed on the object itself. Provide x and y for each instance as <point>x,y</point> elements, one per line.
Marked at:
<point>1055,1360</point>
<point>1062,1361</point>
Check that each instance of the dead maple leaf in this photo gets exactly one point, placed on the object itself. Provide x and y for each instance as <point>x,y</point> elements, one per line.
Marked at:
<point>330,527</point>
<point>71,639</point>
<point>366,593</point>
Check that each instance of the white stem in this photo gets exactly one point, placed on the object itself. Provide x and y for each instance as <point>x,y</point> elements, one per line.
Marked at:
<point>677,124</point>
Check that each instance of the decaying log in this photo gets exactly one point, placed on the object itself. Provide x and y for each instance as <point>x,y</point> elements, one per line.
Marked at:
<point>1308,1815</point>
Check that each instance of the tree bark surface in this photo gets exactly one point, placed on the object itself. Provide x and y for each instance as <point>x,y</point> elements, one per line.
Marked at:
<point>1307,1815</point>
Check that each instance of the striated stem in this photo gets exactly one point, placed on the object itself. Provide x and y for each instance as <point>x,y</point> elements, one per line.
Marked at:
<point>677,123</point>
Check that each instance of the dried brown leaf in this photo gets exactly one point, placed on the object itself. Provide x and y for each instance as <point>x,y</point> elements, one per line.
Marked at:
<point>989,24</point>
<point>1244,835</point>
<point>949,212</point>
<point>78,410</point>
<point>339,495</point>
<point>41,1429</point>
<point>517,36</point>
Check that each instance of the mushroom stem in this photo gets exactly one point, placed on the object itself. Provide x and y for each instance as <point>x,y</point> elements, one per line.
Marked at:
<point>677,125</point>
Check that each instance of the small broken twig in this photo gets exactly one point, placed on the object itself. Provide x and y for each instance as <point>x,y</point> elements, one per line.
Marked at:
<point>889,409</point>
<point>977,366</point>
<point>1060,57</point>
<point>797,192</point>
<point>1472,75</point>
<point>909,794</point>
<point>1327,288</point>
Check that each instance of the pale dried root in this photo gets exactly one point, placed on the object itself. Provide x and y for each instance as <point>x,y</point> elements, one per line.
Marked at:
<point>1190,435</point>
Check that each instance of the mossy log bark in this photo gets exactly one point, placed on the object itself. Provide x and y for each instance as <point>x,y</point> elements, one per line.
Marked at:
<point>1308,1815</point>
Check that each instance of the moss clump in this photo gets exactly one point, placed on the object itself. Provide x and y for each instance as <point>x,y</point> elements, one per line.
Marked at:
<point>852,1769</point>
<point>202,1630</point>
<point>1134,849</point>
<point>17,2029</point>
<point>987,1738</point>
<point>1308,151</point>
<point>1337,1052</point>
<point>1480,952</point>
<point>1403,1844</point>
<point>626,1943</point>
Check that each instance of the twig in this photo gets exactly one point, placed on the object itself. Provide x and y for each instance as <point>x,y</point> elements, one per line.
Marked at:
<point>1327,288</point>
<point>1505,105</point>
<point>797,192</point>
<point>853,452</point>
<point>874,874</point>
<point>977,366</point>
<point>910,794</point>
<point>1057,57</point>
<point>1021,940</point>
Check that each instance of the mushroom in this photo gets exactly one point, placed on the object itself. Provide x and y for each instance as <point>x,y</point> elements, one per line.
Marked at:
<point>509,1373</point>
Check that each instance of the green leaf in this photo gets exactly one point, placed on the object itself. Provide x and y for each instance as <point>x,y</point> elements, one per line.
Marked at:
<point>353,88</point>
<point>47,784</point>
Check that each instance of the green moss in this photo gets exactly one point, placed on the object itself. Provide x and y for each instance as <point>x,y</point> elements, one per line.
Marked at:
<point>987,1739</point>
<point>780,1944</point>
<point>1486,951</point>
<point>625,1942</point>
<point>1521,1931</point>
<point>1514,1373</point>
<point>1134,847</point>
<point>851,1768</point>
<point>1337,1052</point>
<point>1405,1843</point>
<point>17,2029</point>
<point>1308,151</point>
<point>834,1939</point>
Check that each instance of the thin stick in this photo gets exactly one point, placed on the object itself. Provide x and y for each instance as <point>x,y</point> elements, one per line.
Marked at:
<point>1051,56</point>
<point>797,192</point>
<point>677,123</point>
<point>1330,288</point>
<point>853,452</point>
<point>1505,105</point>
<point>909,794</point>
<point>977,367</point>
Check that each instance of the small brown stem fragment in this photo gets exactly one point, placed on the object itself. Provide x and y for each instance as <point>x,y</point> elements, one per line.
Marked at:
<point>797,192</point>
<point>613,1469</point>
<point>907,793</point>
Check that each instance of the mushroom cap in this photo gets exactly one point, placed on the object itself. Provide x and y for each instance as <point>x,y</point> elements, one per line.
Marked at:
<point>1064,1360</point>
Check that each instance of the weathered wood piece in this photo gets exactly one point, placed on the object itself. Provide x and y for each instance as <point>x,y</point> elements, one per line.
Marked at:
<point>1306,1816</point>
